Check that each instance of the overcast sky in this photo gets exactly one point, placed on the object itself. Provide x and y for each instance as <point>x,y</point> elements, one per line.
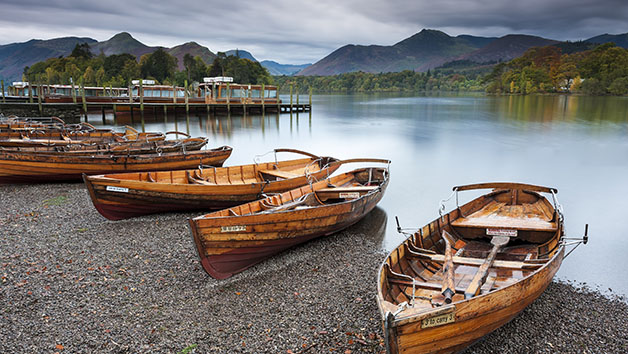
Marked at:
<point>294,32</point>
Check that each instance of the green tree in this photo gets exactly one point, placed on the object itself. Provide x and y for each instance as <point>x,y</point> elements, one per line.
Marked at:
<point>81,51</point>
<point>159,65</point>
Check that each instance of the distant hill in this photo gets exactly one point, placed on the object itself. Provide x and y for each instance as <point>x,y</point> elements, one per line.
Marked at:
<point>273,67</point>
<point>621,40</point>
<point>121,43</point>
<point>193,49</point>
<point>15,56</point>
<point>506,48</point>
<point>422,51</point>
<point>277,69</point>
<point>241,53</point>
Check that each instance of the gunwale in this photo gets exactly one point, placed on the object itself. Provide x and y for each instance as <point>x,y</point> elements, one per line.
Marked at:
<point>253,237</point>
<point>214,188</point>
<point>492,307</point>
<point>19,167</point>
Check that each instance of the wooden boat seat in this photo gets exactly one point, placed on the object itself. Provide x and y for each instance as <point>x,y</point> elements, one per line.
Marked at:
<point>279,173</point>
<point>500,215</point>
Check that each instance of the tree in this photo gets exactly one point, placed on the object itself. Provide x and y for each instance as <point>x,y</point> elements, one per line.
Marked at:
<point>159,65</point>
<point>81,51</point>
<point>188,64</point>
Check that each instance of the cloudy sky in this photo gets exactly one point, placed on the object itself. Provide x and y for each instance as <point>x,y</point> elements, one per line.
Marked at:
<point>295,32</point>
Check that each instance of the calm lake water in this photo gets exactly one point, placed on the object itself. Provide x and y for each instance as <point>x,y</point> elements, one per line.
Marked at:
<point>576,144</point>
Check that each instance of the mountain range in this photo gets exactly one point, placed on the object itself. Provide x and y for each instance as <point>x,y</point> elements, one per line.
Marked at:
<point>15,57</point>
<point>422,51</point>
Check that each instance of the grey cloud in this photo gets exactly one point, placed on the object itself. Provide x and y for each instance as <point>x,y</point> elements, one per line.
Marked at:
<point>295,32</point>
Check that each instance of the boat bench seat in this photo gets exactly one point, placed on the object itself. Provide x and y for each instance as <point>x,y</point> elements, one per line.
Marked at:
<point>528,224</point>
<point>279,173</point>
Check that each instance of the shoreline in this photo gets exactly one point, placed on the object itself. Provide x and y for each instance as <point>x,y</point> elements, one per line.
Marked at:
<point>72,281</point>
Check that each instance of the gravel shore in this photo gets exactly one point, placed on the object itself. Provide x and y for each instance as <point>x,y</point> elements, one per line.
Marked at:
<point>72,282</point>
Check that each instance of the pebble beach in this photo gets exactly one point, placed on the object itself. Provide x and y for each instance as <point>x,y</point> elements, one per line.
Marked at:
<point>72,281</point>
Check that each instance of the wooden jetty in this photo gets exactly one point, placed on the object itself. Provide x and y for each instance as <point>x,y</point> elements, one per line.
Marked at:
<point>213,96</point>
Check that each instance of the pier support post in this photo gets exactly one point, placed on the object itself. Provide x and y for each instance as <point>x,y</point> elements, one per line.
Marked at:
<point>228,99</point>
<point>310,98</point>
<point>187,100</point>
<point>83,99</point>
<point>291,98</point>
<point>73,91</point>
<point>30,93</point>
<point>263,95</point>
<point>3,93</point>
<point>39,92</point>
<point>141,92</point>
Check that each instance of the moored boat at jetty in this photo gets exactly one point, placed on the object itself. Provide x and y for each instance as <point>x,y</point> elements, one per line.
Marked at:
<point>57,93</point>
<point>27,167</point>
<point>231,240</point>
<point>203,188</point>
<point>472,270</point>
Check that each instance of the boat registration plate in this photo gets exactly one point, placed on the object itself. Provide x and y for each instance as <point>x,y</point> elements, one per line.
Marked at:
<point>350,195</point>
<point>501,232</point>
<point>117,189</point>
<point>232,228</point>
<point>438,320</point>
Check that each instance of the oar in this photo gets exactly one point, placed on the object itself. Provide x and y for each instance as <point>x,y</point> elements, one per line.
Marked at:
<point>480,276</point>
<point>449,288</point>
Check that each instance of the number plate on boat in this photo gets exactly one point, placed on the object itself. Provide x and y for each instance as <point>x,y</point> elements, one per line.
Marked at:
<point>501,232</point>
<point>232,228</point>
<point>438,320</point>
<point>117,189</point>
<point>349,195</point>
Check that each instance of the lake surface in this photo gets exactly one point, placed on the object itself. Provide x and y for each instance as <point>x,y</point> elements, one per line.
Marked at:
<point>576,144</point>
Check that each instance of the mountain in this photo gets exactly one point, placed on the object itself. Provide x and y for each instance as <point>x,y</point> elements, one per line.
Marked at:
<point>276,69</point>
<point>243,54</point>
<point>620,39</point>
<point>506,48</point>
<point>15,56</point>
<point>273,67</point>
<point>193,49</point>
<point>121,43</point>
<point>422,51</point>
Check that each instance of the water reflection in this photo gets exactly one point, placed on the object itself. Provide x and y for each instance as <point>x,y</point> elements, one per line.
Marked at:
<point>574,143</point>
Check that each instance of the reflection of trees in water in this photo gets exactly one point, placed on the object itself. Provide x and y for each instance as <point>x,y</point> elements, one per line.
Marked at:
<point>561,108</point>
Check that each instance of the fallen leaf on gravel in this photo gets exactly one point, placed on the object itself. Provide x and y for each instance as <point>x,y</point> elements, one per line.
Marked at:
<point>59,347</point>
<point>238,293</point>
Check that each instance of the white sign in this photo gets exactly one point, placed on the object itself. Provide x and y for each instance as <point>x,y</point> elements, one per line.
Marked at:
<point>501,232</point>
<point>232,228</point>
<point>350,195</point>
<point>117,189</point>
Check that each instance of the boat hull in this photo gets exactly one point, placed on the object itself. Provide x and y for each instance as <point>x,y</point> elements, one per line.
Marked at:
<point>17,167</point>
<point>259,236</point>
<point>474,318</point>
<point>143,197</point>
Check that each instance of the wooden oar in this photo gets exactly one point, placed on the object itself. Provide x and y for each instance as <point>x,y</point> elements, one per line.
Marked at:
<point>480,276</point>
<point>449,288</point>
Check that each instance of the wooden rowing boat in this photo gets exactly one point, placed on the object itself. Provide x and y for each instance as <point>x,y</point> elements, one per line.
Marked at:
<point>85,134</point>
<point>120,148</point>
<point>202,188</point>
<point>472,270</point>
<point>231,240</point>
<point>24,167</point>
